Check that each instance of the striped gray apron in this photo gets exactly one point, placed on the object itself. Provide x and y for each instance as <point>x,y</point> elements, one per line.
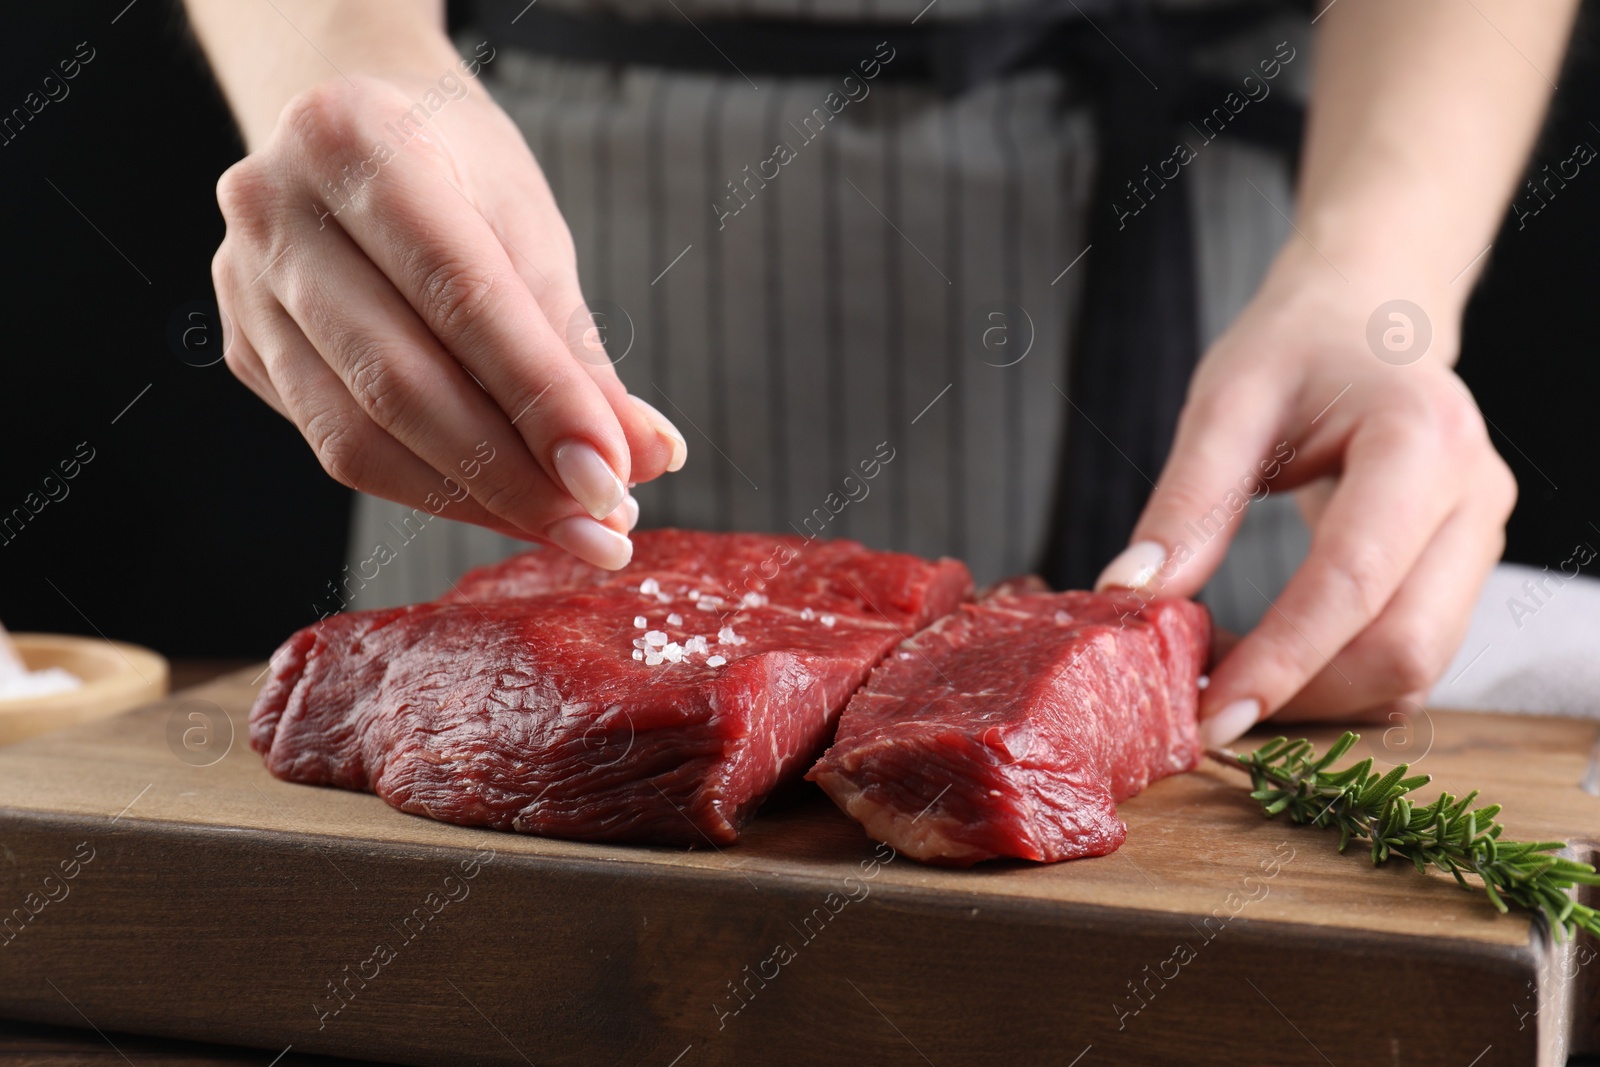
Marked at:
<point>900,294</point>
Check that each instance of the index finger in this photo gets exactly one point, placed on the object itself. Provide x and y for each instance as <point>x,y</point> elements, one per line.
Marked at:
<point>1389,502</point>
<point>448,263</point>
<point>1214,471</point>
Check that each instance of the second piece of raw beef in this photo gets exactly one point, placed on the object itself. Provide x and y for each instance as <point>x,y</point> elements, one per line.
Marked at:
<point>661,703</point>
<point>1014,726</point>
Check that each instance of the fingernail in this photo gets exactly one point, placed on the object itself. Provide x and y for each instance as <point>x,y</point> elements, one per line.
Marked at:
<point>668,432</point>
<point>1229,724</point>
<point>630,510</point>
<point>1134,568</point>
<point>591,542</point>
<point>588,478</point>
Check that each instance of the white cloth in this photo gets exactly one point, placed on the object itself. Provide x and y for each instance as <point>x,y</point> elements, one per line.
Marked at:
<point>1533,647</point>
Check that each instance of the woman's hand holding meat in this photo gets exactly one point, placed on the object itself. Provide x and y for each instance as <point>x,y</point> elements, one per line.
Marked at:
<point>1405,496</point>
<point>1420,121</point>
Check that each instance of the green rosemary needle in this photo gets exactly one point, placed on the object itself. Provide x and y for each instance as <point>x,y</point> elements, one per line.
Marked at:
<point>1448,834</point>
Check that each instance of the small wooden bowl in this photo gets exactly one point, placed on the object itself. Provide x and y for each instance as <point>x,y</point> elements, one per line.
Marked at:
<point>116,677</point>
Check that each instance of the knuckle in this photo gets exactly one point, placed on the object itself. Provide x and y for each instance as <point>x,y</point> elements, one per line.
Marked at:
<point>243,192</point>
<point>1280,662</point>
<point>1435,417</point>
<point>254,205</point>
<point>339,447</point>
<point>1358,577</point>
<point>554,290</point>
<point>222,271</point>
<point>508,499</point>
<point>1182,502</point>
<point>455,297</point>
<point>381,385</point>
<point>239,367</point>
<point>1216,401</point>
<point>304,294</point>
<point>1405,426</point>
<point>1457,421</point>
<point>322,120</point>
<point>1408,659</point>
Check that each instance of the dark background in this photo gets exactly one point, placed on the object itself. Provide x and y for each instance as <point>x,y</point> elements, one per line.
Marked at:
<point>203,526</point>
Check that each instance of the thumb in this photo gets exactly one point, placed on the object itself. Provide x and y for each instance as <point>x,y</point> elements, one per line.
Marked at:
<point>1223,459</point>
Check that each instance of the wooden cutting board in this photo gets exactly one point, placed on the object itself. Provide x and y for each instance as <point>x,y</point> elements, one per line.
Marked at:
<point>151,883</point>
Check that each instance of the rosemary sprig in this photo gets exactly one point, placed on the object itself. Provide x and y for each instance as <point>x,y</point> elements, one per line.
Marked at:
<point>1289,776</point>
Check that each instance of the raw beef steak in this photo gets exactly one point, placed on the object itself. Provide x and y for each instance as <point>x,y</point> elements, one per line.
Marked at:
<point>826,577</point>
<point>660,703</point>
<point>1014,726</point>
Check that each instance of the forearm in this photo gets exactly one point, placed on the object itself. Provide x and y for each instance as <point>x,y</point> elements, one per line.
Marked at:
<point>1422,116</point>
<point>265,52</point>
